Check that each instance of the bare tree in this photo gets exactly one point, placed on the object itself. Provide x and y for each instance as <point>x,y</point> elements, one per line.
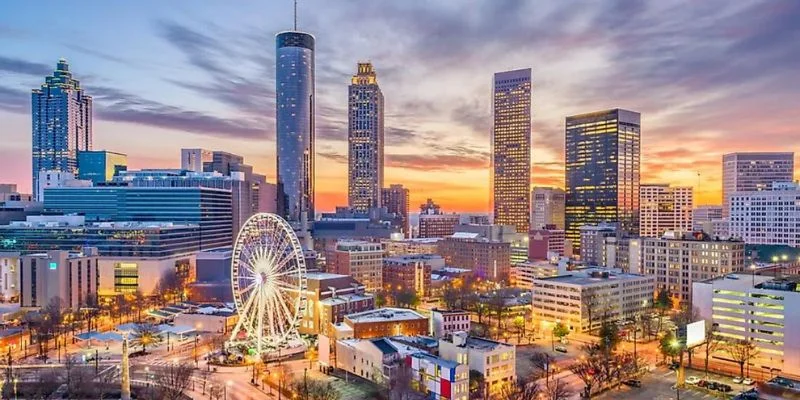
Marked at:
<point>712,344</point>
<point>314,389</point>
<point>741,351</point>
<point>172,380</point>
<point>557,390</point>
<point>400,387</point>
<point>588,371</point>
<point>544,362</point>
<point>520,389</point>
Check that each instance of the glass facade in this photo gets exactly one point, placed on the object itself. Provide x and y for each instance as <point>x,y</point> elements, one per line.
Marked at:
<point>61,123</point>
<point>511,149</point>
<point>294,80</point>
<point>365,140</point>
<point>100,166</point>
<point>210,209</point>
<point>602,171</point>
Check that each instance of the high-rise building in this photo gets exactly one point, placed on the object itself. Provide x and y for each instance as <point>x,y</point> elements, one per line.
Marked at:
<point>413,273</point>
<point>543,242</point>
<point>486,258</point>
<point>704,214</point>
<point>548,207</point>
<point>602,171</point>
<point>664,208</point>
<point>396,200</point>
<point>70,277</point>
<point>747,172</point>
<point>194,159</point>
<point>359,259</point>
<point>593,242</point>
<point>100,165</point>
<point>511,149</point>
<point>767,216</point>
<point>434,223</point>
<point>294,116</point>
<point>365,139</point>
<point>61,115</point>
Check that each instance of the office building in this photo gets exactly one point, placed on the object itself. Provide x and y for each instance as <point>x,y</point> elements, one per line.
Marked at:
<point>225,163</point>
<point>625,253</point>
<point>396,200</point>
<point>359,259</point>
<point>704,214</point>
<point>61,114</point>
<point>409,273</point>
<point>16,206</point>
<point>602,171</point>
<point>365,139</point>
<point>447,322</point>
<point>749,172</point>
<point>212,276</point>
<point>210,209</point>
<point>762,310</point>
<point>523,274</point>
<point>544,242</point>
<point>593,242</point>
<point>100,165</point>
<point>438,378</point>
<point>195,159</point>
<point>9,276</point>
<point>57,179</point>
<point>664,208</point>
<point>485,258</point>
<point>294,121</point>
<point>511,149</point>
<point>70,277</point>
<point>677,260</point>
<point>547,207</point>
<point>494,360</point>
<point>434,223</point>
<point>767,216</point>
<point>384,322</point>
<point>330,298</point>
<point>347,224</point>
<point>401,247</point>
<point>584,300</point>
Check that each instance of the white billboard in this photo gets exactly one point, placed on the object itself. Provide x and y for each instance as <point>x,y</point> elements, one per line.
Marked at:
<point>695,333</point>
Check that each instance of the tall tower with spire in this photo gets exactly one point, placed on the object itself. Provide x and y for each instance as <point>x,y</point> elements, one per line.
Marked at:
<point>365,140</point>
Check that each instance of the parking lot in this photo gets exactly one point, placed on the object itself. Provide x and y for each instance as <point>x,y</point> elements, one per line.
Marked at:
<point>658,386</point>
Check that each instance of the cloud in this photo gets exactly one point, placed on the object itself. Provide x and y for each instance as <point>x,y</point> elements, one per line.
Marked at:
<point>14,100</point>
<point>23,67</point>
<point>431,162</point>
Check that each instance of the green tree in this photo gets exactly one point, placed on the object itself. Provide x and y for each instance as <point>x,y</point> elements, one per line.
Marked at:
<point>662,304</point>
<point>406,298</point>
<point>380,298</point>
<point>670,346</point>
<point>609,336</point>
<point>145,335</point>
<point>560,330</point>
<point>477,384</point>
<point>519,327</point>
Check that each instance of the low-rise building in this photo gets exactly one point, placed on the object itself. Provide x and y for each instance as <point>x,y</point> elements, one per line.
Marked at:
<point>448,322</point>
<point>433,223</point>
<point>401,247</point>
<point>376,360</point>
<point>542,242</point>
<point>496,361</point>
<point>9,276</point>
<point>359,259</point>
<point>584,299</point>
<point>208,319</point>
<point>438,378</point>
<point>386,322</point>
<point>411,272</point>
<point>593,242</point>
<point>523,274</point>
<point>71,277</point>
<point>330,297</point>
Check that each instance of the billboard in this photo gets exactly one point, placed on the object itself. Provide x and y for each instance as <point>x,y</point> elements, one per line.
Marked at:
<point>695,333</point>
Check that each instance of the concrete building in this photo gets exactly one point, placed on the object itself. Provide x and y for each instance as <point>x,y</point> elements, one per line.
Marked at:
<point>767,216</point>
<point>593,242</point>
<point>401,247</point>
<point>194,159</point>
<point>71,277</point>
<point>445,323</point>
<point>376,360</point>
<point>548,207</point>
<point>703,214</point>
<point>208,319</point>
<point>99,166</point>
<point>435,224</point>
<point>584,299</point>
<point>361,260</point>
<point>401,273</point>
<point>760,309</point>
<point>486,259</point>
<point>511,149</point>
<point>676,260</point>
<point>523,274</point>
<point>384,322</point>
<point>494,360</point>
<point>437,378</point>
<point>51,179</point>
<point>664,208</point>
<point>365,139</point>
<point>346,224</point>
<point>625,253</point>
<point>749,172</point>
<point>330,298</point>
<point>602,171</point>
<point>542,242</point>
<point>396,200</point>
<point>9,276</point>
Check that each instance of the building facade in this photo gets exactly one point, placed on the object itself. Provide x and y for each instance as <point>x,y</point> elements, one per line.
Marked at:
<point>511,149</point>
<point>396,200</point>
<point>403,273</point>
<point>602,171</point>
<point>433,223</point>
<point>365,139</point>
<point>437,378</point>
<point>767,216</point>
<point>100,165</point>
<point>703,214</point>
<point>9,276</point>
<point>194,159</point>
<point>330,298</point>
<point>593,242</point>
<point>543,242</point>
<point>61,115</point>
<point>361,260</point>
<point>485,258</point>
<point>383,322</point>
<point>677,260</point>
<point>748,172</point>
<point>447,322</point>
<point>664,208</point>
<point>494,360</point>
<point>294,121</point>
<point>548,207</point>
<point>70,277</point>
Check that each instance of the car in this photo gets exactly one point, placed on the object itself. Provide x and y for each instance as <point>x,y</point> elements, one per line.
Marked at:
<point>748,381</point>
<point>692,380</point>
<point>633,383</point>
<point>711,385</point>
<point>561,349</point>
<point>737,379</point>
<point>674,366</point>
<point>724,388</point>
<point>702,383</point>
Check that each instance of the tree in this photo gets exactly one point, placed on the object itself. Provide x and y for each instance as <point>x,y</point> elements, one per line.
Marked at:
<point>139,301</point>
<point>314,389</point>
<point>662,304</point>
<point>450,296</point>
<point>173,380</point>
<point>406,298</point>
<point>380,298</point>
<point>670,346</point>
<point>557,390</point>
<point>543,362</point>
<point>609,336</point>
<point>712,344</point>
<point>741,351</point>
<point>520,389</point>
<point>497,304</point>
<point>560,330</point>
<point>477,384</point>
<point>685,316</point>
<point>588,371</point>
<point>519,327</point>
<point>144,335</point>
<point>590,300</point>
<point>480,310</point>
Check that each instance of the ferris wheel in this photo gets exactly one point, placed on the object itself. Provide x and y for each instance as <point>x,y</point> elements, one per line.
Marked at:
<point>268,277</point>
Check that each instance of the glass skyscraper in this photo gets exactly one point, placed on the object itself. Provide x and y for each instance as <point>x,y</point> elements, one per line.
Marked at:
<point>365,140</point>
<point>61,122</point>
<point>602,171</point>
<point>100,165</point>
<point>294,81</point>
<point>511,149</point>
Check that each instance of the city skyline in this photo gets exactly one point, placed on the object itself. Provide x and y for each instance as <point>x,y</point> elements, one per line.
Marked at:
<point>208,81</point>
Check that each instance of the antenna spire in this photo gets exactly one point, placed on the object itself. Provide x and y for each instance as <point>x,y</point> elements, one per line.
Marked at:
<point>295,14</point>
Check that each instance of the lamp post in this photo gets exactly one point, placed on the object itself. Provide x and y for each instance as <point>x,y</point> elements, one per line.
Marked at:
<point>196,337</point>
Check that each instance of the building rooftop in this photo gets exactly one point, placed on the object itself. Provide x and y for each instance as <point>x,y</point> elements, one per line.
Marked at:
<point>449,311</point>
<point>413,257</point>
<point>417,241</point>
<point>385,314</point>
<point>384,345</point>
<point>344,298</point>
<point>590,276</point>
<point>436,360</point>
<point>324,275</point>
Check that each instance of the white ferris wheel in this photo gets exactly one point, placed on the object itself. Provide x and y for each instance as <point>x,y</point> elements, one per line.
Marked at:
<point>268,277</point>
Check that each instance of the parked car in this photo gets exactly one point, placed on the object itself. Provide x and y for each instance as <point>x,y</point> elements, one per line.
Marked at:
<point>702,383</point>
<point>674,366</point>
<point>748,381</point>
<point>692,380</point>
<point>711,385</point>
<point>782,382</point>
<point>561,349</point>
<point>724,388</point>
<point>633,383</point>
<point>737,379</point>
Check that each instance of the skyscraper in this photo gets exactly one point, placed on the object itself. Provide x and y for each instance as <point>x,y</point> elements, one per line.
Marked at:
<point>194,159</point>
<point>61,116</point>
<point>511,149</point>
<point>365,140</point>
<point>748,172</point>
<point>294,87</point>
<point>548,207</point>
<point>602,171</point>
<point>664,208</point>
<point>100,165</point>
<point>396,199</point>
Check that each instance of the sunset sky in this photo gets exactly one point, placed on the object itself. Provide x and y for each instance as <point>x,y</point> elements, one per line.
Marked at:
<point>709,77</point>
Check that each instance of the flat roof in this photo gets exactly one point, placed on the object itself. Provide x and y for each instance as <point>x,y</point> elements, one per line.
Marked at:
<point>584,277</point>
<point>324,275</point>
<point>484,344</point>
<point>437,360</point>
<point>385,314</point>
<point>345,298</point>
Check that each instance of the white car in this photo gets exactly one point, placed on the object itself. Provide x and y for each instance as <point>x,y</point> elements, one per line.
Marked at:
<point>748,381</point>
<point>692,380</point>
<point>738,379</point>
